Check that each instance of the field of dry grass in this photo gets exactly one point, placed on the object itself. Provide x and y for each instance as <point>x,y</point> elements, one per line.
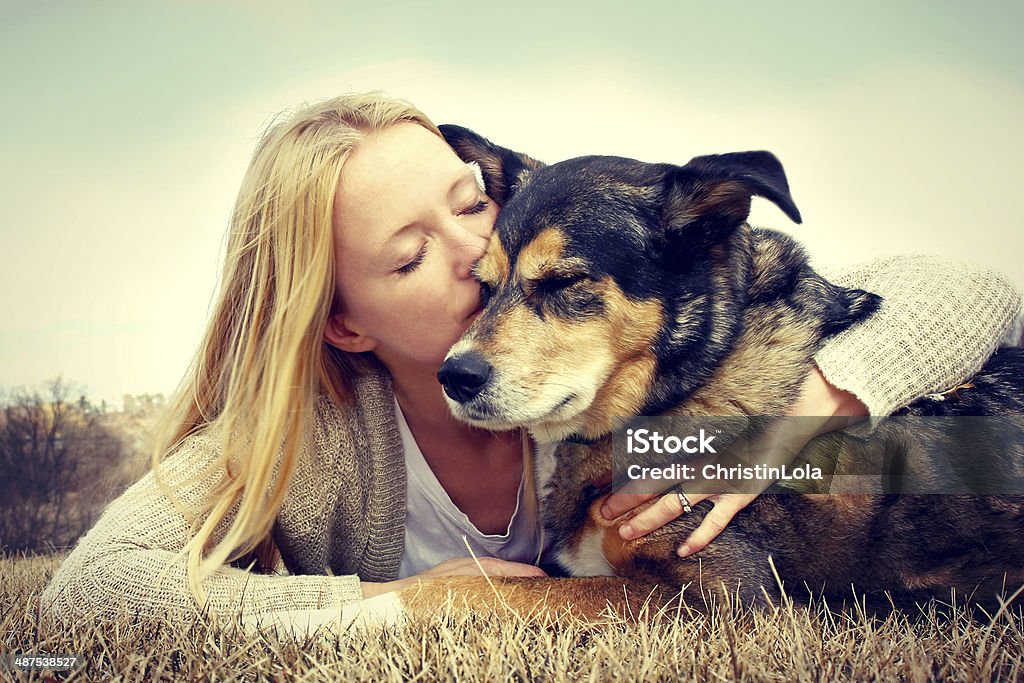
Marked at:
<point>788,643</point>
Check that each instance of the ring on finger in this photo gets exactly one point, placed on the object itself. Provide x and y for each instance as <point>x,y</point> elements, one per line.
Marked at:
<point>684,501</point>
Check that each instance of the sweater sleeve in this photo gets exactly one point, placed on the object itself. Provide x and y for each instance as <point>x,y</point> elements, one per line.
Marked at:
<point>131,561</point>
<point>939,322</point>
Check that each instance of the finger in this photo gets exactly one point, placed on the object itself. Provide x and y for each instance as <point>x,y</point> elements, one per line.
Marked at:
<point>633,493</point>
<point>521,569</point>
<point>656,516</point>
<point>621,502</point>
<point>497,567</point>
<point>534,571</point>
<point>726,507</point>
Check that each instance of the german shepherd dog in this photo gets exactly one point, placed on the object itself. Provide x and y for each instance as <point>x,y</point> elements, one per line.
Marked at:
<point>615,289</point>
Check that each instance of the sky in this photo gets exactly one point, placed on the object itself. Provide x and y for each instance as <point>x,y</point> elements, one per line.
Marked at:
<point>127,126</point>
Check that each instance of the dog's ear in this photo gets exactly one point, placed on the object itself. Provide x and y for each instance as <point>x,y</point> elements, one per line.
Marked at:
<point>708,198</point>
<point>504,171</point>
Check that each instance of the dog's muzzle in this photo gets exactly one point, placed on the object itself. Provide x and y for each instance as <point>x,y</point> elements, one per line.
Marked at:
<point>464,377</point>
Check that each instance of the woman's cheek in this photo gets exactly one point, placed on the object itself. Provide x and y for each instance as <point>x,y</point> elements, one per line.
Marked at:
<point>420,294</point>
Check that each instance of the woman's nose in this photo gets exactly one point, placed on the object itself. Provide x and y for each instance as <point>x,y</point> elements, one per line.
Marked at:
<point>467,250</point>
<point>466,257</point>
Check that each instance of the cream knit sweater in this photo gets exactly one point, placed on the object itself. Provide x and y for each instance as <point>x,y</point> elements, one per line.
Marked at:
<point>343,515</point>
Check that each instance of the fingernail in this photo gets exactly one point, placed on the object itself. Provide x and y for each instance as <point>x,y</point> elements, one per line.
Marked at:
<point>625,532</point>
<point>606,512</point>
<point>683,551</point>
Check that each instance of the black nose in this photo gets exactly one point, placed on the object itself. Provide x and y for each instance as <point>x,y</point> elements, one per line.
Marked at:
<point>464,377</point>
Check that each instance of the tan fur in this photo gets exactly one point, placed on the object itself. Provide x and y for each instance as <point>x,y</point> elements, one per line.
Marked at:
<point>538,599</point>
<point>618,342</point>
<point>494,266</point>
<point>631,327</point>
<point>522,338</point>
<point>539,256</point>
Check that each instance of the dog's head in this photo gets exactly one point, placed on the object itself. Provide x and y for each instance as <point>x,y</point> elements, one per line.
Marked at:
<point>601,270</point>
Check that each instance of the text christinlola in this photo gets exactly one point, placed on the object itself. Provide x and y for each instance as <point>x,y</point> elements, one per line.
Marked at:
<point>680,472</point>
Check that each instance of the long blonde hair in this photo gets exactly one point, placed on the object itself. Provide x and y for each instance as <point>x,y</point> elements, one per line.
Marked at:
<point>262,361</point>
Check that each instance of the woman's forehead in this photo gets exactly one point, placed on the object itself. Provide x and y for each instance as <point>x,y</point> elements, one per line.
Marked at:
<point>396,150</point>
<point>396,159</point>
<point>393,177</point>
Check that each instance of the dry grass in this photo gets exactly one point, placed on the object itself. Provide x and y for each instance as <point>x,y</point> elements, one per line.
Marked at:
<point>785,644</point>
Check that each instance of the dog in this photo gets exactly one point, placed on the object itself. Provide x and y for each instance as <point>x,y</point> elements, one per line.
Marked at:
<point>615,289</point>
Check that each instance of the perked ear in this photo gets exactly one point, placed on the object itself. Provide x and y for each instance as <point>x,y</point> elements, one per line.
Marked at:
<point>708,198</point>
<point>504,171</point>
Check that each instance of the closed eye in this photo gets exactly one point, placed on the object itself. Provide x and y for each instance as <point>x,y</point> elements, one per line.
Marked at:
<point>565,294</point>
<point>415,263</point>
<point>479,207</point>
<point>561,282</point>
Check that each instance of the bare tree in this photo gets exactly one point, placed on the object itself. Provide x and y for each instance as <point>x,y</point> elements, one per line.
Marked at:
<point>54,451</point>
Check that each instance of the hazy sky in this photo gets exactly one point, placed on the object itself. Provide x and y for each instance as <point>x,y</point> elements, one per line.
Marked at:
<point>126,128</point>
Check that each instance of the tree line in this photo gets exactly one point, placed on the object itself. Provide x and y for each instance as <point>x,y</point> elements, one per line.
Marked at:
<point>61,461</point>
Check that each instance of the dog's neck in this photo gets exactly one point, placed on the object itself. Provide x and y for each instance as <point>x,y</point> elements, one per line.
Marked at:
<point>773,350</point>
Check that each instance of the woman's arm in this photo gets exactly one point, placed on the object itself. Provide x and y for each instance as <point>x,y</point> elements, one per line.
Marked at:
<point>939,321</point>
<point>131,561</point>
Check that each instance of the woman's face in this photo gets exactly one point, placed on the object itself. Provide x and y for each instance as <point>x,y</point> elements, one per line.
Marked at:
<point>409,223</point>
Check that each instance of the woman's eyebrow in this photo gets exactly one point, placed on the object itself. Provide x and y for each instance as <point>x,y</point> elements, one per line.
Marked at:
<point>466,178</point>
<point>399,233</point>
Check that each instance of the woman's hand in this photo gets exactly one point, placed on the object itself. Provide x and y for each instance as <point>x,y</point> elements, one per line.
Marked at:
<point>817,398</point>
<point>458,566</point>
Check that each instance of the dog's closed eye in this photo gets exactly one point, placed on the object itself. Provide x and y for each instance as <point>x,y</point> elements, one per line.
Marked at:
<point>560,282</point>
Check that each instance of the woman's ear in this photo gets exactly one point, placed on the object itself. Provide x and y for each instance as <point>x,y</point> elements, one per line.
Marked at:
<point>339,335</point>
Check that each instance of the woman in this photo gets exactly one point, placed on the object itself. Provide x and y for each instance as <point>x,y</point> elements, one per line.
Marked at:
<point>314,392</point>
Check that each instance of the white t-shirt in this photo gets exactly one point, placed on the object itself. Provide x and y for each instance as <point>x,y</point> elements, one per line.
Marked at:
<point>434,525</point>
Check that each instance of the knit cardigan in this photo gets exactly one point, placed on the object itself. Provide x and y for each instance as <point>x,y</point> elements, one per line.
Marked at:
<point>343,515</point>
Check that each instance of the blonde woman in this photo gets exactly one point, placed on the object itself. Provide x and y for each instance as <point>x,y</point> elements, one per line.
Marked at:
<point>309,460</point>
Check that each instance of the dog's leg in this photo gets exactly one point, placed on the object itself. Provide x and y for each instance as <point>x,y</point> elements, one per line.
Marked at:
<point>540,600</point>
<point>544,600</point>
